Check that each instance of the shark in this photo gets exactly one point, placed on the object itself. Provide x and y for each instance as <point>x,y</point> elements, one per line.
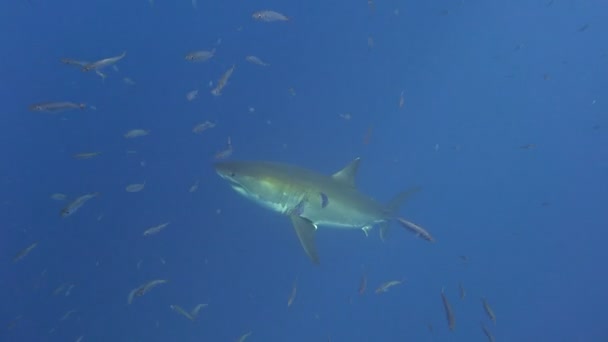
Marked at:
<point>311,199</point>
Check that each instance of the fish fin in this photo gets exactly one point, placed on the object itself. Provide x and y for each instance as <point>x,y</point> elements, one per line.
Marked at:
<point>306,233</point>
<point>401,197</point>
<point>347,174</point>
<point>393,206</point>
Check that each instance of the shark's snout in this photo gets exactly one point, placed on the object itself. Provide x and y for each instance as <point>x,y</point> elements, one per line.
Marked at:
<point>224,170</point>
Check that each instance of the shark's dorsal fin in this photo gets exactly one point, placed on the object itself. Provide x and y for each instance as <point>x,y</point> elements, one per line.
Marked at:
<point>348,174</point>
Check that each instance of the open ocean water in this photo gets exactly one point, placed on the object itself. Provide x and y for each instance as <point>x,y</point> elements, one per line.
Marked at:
<point>496,110</point>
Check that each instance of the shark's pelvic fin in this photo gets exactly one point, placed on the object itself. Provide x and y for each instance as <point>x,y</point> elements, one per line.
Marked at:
<point>392,208</point>
<point>306,233</point>
<point>348,174</point>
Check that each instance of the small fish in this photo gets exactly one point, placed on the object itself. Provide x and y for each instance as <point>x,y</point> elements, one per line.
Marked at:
<point>192,95</point>
<point>419,231</point>
<point>200,56</point>
<point>362,284</point>
<point>61,288</point>
<point>197,309</point>
<point>77,203</point>
<point>269,16</point>
<point>54,107</point>
<point>128,81</point>
<point>194,187</point>
<point>487,332</point>
<point>583,28</point>
<point>488,310</point>
<point>225,153</point>
<point>461,291</point>
<point>181,311</point>
<point>136,187</point>
<point>58,197</point>
<point>200,128</point>
<point>69,290</point>
<point>67,315</point>
<point>527,146</point>
<point>222,82</point>
<point>156,229</point>
<point>402,99</point>
<point>86,155</point>
<point>189,315</point>
<point>448,311</point>
<point>345,116</point>
<point>143,289</point>
<point>24,252</point>
<point>102,63</point>
<point>13,323</point>
<point>244,336</point>
<point>384,287</point>
<point>294,291</point>
<point>135,133</point>
<point>256,60</point>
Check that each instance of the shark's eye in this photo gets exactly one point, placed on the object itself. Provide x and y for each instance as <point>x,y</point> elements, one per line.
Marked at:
<point>232,174</point>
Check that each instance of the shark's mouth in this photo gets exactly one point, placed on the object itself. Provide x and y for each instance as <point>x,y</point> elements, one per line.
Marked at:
<point>239,188</point>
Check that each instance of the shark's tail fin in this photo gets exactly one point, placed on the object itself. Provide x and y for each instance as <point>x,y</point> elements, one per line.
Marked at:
<point>393,206</point>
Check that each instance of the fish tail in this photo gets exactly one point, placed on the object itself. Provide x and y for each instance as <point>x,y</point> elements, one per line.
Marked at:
<point>393,206</point>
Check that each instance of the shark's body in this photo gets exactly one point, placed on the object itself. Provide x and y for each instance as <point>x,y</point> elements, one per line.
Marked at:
<point>309,198</point>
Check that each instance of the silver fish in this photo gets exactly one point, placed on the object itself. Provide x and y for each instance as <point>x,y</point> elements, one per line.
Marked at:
<point>135,133</point>
<point>143,289</point>
<point>181,311</point>
<point>55,107</point>
<point>222,82</point>
<point>269,16</point>
<point>77,203</point>
<point>136,187</point>
<point>22,253</point>
<point>155,229</point>
<point>200,56</point>
<point>256,60</point>
<point>416,229</point>
<point>200,128</point>
<point>102,63</point>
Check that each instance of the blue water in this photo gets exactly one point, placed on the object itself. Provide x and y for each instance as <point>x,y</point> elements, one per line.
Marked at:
<point>480,79</point>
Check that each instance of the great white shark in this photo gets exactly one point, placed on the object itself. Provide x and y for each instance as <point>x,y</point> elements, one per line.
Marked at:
<point>312,199</point>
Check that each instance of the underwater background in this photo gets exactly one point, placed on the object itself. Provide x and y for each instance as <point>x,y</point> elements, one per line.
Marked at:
<point>497,110</point>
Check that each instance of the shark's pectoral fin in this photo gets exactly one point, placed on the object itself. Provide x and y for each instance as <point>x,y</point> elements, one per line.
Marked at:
<point>306,233</point>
